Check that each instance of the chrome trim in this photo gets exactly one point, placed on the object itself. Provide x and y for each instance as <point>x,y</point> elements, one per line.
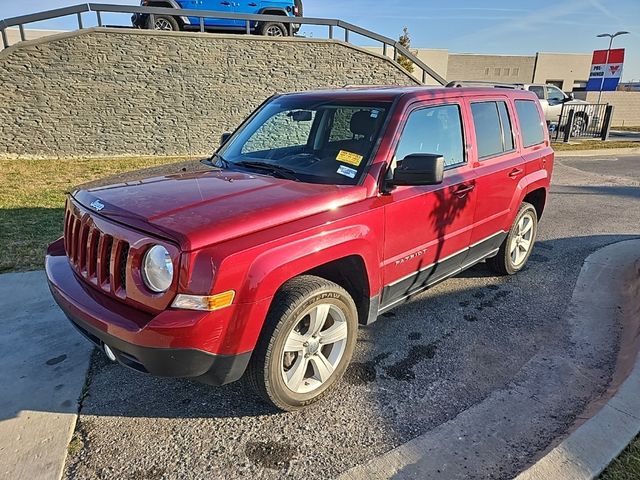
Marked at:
<point>444,259</point>
<point>430,284</point>
<point>488,238</point>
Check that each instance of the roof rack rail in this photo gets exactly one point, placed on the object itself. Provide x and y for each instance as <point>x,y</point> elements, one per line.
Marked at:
<point>465,83</point>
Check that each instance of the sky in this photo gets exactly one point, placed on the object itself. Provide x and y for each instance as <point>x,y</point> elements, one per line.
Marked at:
<point>461,26</point>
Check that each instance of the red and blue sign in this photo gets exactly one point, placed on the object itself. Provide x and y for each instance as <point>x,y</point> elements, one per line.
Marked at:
<point>606,70</point>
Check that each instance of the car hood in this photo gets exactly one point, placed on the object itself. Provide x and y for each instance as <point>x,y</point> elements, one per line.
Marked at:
<point>207,207</point>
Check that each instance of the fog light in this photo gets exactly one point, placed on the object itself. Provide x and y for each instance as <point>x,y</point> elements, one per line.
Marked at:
<point>110,355</point>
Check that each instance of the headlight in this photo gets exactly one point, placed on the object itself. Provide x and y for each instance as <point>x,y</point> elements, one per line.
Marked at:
<point>157,269</point>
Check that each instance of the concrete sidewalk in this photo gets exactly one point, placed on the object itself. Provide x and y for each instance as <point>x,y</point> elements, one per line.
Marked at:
<point>45,363</point>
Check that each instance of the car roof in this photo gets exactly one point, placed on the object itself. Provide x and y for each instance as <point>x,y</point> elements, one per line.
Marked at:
<point>382,93</point>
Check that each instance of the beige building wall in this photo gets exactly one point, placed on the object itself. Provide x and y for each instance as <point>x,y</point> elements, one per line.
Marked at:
<point>13,35</point>
<point>566,70</point>
<point>491,68</point>
<point>626,106</point>
<point>437,59</point>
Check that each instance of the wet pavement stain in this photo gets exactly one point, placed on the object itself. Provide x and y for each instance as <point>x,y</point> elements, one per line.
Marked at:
<point>403,370</point>
<point>56,360</point>
<point>361,373</point>
<point>272,455</point>
<point>471,318</point>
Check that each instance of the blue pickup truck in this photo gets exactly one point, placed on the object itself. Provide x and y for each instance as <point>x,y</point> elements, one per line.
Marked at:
<point>289,8</point>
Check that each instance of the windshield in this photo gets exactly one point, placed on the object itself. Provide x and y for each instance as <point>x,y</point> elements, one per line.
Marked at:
<point>308,140</point>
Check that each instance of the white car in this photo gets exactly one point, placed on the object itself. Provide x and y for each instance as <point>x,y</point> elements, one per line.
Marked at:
<point>552,100</point>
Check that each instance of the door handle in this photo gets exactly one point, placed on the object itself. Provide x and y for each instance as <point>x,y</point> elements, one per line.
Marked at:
<point>516,172</point>
<point>225,3</point>
<point>253,4</point>
<point>462,190</point>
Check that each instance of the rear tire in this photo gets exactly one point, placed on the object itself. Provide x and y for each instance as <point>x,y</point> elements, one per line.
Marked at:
<point>273,29</point>
<point>306,343</point>
<point>163,23</point>
<point>517,247</point>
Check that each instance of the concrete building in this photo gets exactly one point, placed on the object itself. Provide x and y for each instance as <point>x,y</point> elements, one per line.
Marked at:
<point>13,35</point>
<point>568,71</point>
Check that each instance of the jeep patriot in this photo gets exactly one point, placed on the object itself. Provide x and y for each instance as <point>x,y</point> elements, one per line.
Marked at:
<point>320,212</point>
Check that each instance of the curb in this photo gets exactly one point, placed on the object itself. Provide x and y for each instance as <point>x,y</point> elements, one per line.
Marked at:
<point>598,152</point>
<point>586,452</point>
<point>608,286</point>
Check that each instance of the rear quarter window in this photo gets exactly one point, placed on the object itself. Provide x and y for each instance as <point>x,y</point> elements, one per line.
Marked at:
<point>531,124</point>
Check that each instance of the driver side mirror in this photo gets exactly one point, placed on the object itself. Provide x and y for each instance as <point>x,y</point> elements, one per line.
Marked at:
<point>419,169</point>
<point>224,138</point>
<point>569,97</point>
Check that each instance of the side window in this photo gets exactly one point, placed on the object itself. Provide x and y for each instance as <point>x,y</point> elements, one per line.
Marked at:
<point>539,91</point>
<point>507,129</point>
<point>531,124</point>
<point>554,95</point>
<point>433,130</point>
<point>488,130</point>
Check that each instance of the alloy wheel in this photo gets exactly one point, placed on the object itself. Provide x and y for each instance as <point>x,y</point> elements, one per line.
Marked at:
<point>314,348</point>
<point>522,240</point>
<point>162,24</point>
<point>274,31</point>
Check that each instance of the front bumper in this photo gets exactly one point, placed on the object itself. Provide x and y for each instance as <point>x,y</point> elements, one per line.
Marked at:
<point>134,336</point>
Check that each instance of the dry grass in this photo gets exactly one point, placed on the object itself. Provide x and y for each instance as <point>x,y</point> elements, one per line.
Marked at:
<point>32,200</point>
<point>626,466</point>
<point>593,145</point>
<point>626,129</point>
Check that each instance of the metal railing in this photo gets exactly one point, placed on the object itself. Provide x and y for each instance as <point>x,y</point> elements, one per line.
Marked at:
<point>583,120</point>
<point>250,19</point>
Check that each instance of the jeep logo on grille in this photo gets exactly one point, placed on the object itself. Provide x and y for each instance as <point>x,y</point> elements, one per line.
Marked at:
<point>97,204</point>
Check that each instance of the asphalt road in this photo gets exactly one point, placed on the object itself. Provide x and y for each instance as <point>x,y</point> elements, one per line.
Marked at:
<point>419,366</point>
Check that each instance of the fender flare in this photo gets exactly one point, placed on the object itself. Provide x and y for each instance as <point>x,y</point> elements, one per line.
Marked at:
<point>529,183</point>
<point>273,11</point>
<point>268,273</point>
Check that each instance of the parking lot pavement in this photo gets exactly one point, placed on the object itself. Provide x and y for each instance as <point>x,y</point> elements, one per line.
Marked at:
<point>44,364</point>
<point>419,366</point>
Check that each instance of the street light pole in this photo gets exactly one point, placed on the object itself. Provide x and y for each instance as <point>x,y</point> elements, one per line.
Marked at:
<point>611,37</point>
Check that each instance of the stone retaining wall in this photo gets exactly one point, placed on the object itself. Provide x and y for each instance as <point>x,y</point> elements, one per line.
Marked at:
<point>101,92</point>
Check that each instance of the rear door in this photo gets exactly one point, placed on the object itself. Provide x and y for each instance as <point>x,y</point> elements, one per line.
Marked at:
<point>428,228</point>
<point>227,6</point>
<point>499,167</point>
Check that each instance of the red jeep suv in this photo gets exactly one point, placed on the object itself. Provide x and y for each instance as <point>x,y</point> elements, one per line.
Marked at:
<point>323,210</point>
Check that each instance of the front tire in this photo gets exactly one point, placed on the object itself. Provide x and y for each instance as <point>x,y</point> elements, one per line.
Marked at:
<point>306,343</point>
<point>517,247</point>
<point>163,23</point>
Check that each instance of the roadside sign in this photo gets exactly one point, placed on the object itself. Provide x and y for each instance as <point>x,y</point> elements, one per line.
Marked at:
<point>606,70</point>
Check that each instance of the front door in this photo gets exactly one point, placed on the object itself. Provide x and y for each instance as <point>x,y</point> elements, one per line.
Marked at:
<point>555,101</point>
<point>428,228</point>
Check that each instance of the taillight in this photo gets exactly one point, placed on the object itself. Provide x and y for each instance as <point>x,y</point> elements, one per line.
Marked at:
<point>296,11</point>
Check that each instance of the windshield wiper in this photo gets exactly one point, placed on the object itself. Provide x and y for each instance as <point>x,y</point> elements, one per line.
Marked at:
<point>282,172</point>
<point>223,161</point>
